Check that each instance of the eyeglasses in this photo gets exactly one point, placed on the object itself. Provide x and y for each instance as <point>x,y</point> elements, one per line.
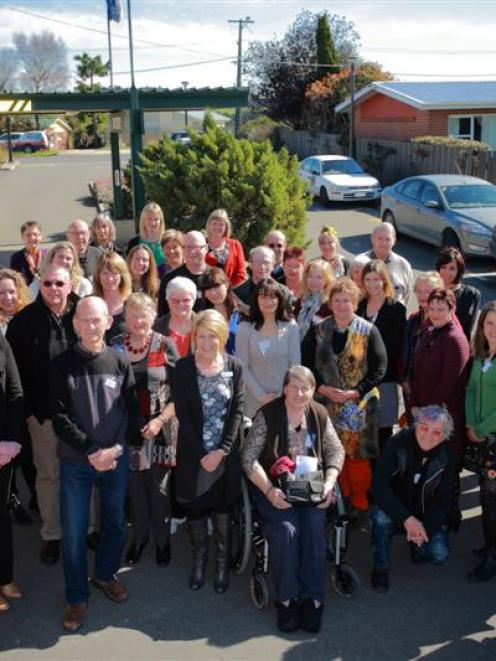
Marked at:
<point>271,296</point>
<point>53,283</point>
<point>276,245</point>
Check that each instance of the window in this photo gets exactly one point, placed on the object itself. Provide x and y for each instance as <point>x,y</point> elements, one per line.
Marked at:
<point>412,189</point>
<point>429,194</point>
<point>465,127</point>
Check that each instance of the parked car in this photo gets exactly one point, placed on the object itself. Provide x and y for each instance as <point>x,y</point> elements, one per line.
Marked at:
<point>4,139</point>
<point>444,210</point>
<point>180,136</point>
<point>31,141</point>
<point>338,178</point>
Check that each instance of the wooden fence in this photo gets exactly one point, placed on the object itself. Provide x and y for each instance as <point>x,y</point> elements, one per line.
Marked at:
<point>308,143</point>
<point>392,160</point>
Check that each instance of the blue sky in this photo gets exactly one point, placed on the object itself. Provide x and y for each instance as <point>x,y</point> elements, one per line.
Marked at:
<point>443,38</point>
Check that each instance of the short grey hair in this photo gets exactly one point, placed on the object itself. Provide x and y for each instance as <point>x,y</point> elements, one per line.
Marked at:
<point>434,413</point>
<point>383,228</point>
<point>267,252</point>
<point>142,302</point>
<point>302,373</point>
<point>50,266</point>
<point>181,284</point>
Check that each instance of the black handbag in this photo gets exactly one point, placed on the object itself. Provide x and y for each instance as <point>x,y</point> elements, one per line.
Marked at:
<point>305,489</point>
<point>480,457</point>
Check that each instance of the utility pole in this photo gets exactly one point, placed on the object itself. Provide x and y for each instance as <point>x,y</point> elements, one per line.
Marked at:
<point>185,84</point>
<point>241,24</point>
<point>352,110</point>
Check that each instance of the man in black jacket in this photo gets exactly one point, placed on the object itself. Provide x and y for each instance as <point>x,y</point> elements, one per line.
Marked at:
<point>37,334</point>
<point>95,411</point>
<point>412,491</point>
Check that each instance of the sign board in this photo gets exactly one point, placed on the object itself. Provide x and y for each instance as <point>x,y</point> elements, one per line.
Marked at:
<point>15,106</point>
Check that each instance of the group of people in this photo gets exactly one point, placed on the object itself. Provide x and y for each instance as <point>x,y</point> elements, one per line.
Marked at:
<point>128,376</point>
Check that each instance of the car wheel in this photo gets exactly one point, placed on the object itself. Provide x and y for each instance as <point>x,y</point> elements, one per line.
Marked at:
<point>323,197</point>
<point>450,240</point>
<point>389,218</point>
<point>28,149</point>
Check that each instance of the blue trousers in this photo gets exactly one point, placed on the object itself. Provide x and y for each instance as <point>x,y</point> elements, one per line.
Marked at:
<point>76,484</point>
<point>383,530</point>
<point>297,549</point>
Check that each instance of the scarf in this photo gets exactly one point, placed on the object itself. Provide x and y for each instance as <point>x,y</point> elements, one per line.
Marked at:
<point>310,305</point>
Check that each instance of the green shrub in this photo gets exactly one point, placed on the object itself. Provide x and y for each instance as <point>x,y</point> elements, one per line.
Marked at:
<point>451,142</point>
<point>260,189</point>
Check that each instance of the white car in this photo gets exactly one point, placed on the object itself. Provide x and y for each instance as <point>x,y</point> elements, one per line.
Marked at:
<point>334,178</point>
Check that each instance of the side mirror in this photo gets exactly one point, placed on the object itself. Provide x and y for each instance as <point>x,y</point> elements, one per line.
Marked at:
<point>432,204</point>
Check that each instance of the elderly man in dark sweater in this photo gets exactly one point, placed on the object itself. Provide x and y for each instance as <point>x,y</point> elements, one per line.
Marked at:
<point>412,491</point>
<point>95,410</point>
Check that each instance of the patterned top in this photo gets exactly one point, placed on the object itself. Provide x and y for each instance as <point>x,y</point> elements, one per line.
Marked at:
<point>215,393</point>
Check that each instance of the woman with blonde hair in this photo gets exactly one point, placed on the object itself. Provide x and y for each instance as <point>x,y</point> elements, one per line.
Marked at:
<point>151,228</point>
<point>389,316</point>
<point>143,270</point>
<point>329,246</point>
<point>112,282</point>
<point>208,391</point>
<point>14,296</point>
<point>65,254</point>
<point>224,251</point>
<point>313,306</point>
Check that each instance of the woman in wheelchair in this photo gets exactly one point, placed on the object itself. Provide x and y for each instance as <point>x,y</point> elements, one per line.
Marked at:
<point>293,443</point>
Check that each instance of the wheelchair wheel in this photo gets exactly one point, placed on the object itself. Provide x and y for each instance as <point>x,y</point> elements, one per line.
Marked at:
<point>242,531</point>
<point>259,591</point>
<point>345,581</point>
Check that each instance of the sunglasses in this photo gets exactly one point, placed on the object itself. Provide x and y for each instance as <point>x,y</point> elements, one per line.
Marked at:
<point>276,245</point>
<point>53,283</point>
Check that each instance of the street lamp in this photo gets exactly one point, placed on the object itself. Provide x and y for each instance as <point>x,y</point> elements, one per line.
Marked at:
<point>185,84</point>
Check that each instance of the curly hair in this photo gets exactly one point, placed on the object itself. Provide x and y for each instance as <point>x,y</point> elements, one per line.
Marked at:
<point>23,293</point>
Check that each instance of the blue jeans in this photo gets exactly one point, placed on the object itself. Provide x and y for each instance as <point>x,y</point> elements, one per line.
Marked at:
<point>297,549</point>
<point>383,530</point>
<point>76,484</point>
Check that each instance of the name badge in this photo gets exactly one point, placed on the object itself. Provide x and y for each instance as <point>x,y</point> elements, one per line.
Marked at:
<point>226,375</point>
<point>110,383</point>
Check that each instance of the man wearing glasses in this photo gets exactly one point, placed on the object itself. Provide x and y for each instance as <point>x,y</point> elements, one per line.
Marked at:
<point>195,252</point>
<point>37,334</point>
<point>276,241</point>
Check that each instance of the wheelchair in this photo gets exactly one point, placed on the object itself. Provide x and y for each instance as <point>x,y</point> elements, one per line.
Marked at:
<point>249,544</point>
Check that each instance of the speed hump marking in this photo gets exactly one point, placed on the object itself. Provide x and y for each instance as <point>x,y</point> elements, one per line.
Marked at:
<point>15,105</point>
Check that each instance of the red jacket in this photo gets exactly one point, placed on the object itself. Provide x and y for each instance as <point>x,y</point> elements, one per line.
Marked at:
<point>235,267</point>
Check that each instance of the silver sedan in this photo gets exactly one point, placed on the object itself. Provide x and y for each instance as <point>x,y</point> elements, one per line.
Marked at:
<point>444,210</point>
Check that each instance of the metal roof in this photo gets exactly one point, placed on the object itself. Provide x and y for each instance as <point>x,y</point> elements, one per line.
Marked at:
<point>432,95</point>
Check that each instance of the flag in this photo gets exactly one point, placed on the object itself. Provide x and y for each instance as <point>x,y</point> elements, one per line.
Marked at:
<point>114,10</point>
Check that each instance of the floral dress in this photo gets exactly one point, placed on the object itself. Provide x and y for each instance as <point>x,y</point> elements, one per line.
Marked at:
<point>215,393</point>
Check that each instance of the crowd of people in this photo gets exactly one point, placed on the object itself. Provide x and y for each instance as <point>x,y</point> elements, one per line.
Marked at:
<point>128,376</point>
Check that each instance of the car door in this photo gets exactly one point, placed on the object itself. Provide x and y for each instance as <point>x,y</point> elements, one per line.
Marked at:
<point>430,220</point>
<point>315,166</point>
<point>305,172</point>
<point>408,202</point>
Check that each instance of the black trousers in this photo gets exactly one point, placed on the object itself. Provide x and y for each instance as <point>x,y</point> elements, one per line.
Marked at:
<point>6,549</point>
<point>488,503</point>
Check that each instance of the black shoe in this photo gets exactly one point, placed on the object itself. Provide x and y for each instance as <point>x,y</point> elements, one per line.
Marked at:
<point>288,617</point>
<point>480,552</point>
<point>134,552</point>
<point>311,616</point>
<point>33,503</point>
<point>163,555</point>
<point>483,572</point>
<point>416,555</point>
<point>50,551</point>
<point>380,580</point>
<point>92,541</point>
<point>17,512</point>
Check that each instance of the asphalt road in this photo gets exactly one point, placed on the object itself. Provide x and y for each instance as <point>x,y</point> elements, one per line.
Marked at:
<point>430,612</point>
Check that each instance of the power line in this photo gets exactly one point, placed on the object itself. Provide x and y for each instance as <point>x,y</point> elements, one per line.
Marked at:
<point>174,66</point>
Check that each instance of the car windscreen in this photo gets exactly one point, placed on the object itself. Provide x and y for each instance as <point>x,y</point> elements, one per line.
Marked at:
<point>341,167</point>
<point>466,196</point>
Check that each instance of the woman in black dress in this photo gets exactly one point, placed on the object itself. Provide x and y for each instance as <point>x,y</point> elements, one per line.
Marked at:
<point>208,392</point>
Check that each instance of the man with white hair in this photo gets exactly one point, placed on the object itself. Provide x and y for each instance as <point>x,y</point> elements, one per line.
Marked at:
<point>276,241</point>
<point>195,252</point>
<point>95,412</point>
<point>383,239</point>
<point>261,262</point>
<point>78,233</point>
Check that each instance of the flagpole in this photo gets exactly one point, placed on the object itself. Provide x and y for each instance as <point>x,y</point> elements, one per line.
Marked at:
<point>130,30</point>
<point>110,66</point>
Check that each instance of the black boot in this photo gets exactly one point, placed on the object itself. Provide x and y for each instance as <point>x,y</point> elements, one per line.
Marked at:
<point>222,531</point>
<point>198,532</point>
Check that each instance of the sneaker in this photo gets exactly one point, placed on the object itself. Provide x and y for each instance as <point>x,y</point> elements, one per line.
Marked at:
<point>17,512</point>
<point>483,572</point>
<point>380,580</point>
<point>288,617</point>
<point>311,616</point>
<point>50,551</point>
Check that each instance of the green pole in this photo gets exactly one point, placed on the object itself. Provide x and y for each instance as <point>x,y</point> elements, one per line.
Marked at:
<point>116,175</point>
